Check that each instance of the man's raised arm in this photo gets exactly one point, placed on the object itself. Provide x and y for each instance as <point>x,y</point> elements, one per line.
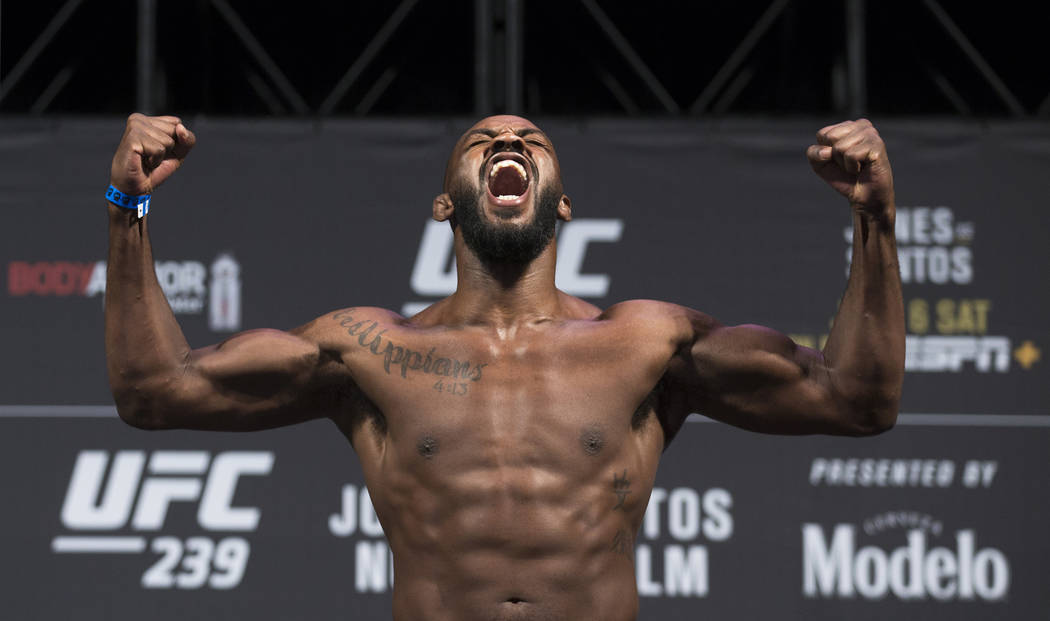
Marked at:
<point>756,378</point>
<point>255,380</point>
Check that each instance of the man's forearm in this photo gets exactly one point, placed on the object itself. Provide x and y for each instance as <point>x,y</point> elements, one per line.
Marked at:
<point>144,346</point>
<point>144,343</point>
<point>865,350</point>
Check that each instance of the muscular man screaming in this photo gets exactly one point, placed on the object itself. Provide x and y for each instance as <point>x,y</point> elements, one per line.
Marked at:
<point>509,434</point>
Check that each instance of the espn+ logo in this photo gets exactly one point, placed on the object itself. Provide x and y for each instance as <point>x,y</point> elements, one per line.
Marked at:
<point>138,491</point>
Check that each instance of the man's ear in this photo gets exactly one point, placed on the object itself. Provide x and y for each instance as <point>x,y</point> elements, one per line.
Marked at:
<point>565,208</point>
<point>443,208</point>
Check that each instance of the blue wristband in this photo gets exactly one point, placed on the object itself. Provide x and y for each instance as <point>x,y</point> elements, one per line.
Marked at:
<point>138,203</point>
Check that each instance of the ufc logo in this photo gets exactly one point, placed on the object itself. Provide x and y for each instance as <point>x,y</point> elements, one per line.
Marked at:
<point>434,272</point>
<point>95,501</point>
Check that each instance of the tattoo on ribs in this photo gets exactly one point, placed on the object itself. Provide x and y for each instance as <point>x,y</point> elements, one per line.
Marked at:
<point>622,544</point>
<point>621,487</point>
<point>401,358</point>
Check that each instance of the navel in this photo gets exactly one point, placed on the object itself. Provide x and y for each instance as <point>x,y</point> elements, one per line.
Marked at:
<point>427,446</point>
<point>592,440</point>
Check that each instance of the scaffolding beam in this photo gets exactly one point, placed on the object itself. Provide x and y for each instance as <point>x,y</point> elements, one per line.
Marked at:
<point>146,56</point>
<point>367,55</point>
<point>975,57</point>
<point>256,49</point>
<point>52,90</point>
<point>738,56</point>
<point>856,58</point>
<point>375,92</point>
<point>515,62</point>
<point>632,57</point>
<point>46,36</point>
<point>1044,108</point>
<point>482,51</point>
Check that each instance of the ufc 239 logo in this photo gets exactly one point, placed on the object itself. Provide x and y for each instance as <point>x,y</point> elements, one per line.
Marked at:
<point>434,272</point>
<point>134,491</point>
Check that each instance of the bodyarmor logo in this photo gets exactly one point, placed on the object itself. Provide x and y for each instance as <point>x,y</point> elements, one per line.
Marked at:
<point>101,504</point>
<point>225,304</point>
<point>434,273</point>
<point>910,572</point>
<point>184,284</point>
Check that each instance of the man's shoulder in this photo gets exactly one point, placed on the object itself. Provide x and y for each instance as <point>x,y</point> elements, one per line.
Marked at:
<point>655,311</point>
<point>335,325</point>
<point>626,310</point>
<point>681,324</point>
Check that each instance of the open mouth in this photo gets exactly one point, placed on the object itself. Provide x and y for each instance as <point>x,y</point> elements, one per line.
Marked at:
<point>508,178</point>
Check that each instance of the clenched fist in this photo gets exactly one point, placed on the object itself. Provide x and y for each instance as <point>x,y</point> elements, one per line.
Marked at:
<point>851,158</point>
<point>152,148</point>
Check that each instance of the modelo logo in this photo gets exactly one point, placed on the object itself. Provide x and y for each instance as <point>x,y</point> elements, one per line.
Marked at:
<point>434,273</point>
<point>910,572</point>
<point>102,503</point>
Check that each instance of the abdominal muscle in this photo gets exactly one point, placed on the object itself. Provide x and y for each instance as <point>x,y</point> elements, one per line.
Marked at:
<point>519,499</point>
<point>513,544</point>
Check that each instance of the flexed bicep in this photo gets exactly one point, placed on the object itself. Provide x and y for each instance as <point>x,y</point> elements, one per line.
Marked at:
<point>759,379</point>
<point>255,380</point>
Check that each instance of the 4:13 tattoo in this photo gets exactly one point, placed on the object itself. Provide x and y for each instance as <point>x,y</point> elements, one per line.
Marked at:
<point>452,388</point>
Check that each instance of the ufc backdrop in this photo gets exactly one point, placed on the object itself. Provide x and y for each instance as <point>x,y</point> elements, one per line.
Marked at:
<point>270,224</point>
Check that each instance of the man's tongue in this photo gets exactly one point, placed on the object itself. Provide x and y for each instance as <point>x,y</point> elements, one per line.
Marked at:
<point>507,180</point>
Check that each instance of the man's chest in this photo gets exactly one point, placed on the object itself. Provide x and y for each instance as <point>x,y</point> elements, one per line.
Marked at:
<point>582,380</point>
<point>465,370</point>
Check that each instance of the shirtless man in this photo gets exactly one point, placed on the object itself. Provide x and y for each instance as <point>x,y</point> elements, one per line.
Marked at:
<point>509,434</point>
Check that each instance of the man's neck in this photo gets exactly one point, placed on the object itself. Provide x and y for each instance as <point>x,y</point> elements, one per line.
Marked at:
<point>503,296</point>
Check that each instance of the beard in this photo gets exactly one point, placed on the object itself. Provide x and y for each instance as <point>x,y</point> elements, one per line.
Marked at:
<point>496,244</point>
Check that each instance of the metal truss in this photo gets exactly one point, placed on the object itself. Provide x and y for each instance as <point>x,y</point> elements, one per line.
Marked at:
<point>499,60</point>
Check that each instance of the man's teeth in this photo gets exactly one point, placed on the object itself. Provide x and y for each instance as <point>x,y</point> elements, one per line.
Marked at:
<point>507,197</point>
<point>511,163</point>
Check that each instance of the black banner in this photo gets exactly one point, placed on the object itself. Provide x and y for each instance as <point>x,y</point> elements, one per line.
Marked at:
<point>272,224</point>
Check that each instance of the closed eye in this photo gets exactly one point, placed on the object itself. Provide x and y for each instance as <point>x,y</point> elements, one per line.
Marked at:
<point>476,143</point>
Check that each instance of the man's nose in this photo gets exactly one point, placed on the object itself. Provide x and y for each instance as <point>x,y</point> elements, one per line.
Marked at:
<point>508,141</point>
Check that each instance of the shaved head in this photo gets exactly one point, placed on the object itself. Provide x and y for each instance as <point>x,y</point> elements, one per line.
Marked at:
<point>504,185</point>
<point>490,126</point>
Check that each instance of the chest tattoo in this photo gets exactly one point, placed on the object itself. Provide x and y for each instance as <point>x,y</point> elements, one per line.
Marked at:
<point>403,359</point>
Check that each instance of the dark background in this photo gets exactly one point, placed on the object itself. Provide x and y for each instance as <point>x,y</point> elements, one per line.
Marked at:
<point>570,67</point>
<point>719,211</point>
